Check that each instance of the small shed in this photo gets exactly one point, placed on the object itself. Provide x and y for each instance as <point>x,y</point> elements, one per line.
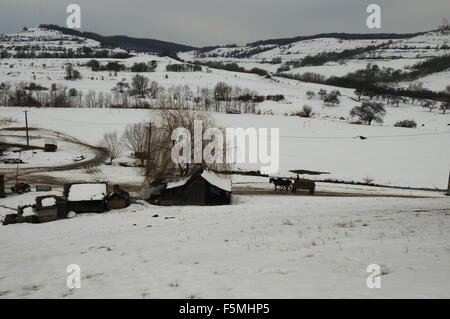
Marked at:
<point>202,187</point>
<point>50,208</point>
<point>118,198</point>
<point>86,197</point>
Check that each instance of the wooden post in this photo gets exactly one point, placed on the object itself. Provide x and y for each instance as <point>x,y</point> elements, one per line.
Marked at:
<point>448,186</point>
<point>26,124</point>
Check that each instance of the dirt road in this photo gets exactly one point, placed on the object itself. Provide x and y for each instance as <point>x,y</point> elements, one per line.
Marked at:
<point>254,191</point>
<point>10,173</point>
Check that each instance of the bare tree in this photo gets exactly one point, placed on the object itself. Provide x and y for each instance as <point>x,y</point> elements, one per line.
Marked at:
<point>154,89</point>
<point>332,98</point>
<point>310,94</point>
<point>140,85</point>
<point>444,107</point>
<point>322,93</point>
<point>430,105</point>
<point>113,145</point>
<point>160,163</point>
<point>369,112</point>
<point>135,136</point>
<point>71,73</point>
<point>5,93</point>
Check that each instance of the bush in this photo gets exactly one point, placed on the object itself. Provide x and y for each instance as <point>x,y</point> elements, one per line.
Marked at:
<point>139,67</point>
<point>76,75</point>
<point>110,66</point>
<point>276,98</point>
<point>310,94</point>
<point>307,110</point>
<point>283,68</point>
<point>94,65</point>
<point>259,71</point>
<point>332,99</point>
<point>183,68</point>
<point>406,123</point>
<point>71,73</point>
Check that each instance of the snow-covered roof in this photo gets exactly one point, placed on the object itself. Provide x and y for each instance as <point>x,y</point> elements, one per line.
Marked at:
<point>221,182</point>
<point>47,202</point>
<point>177,183</point>
<point>28,211</point>
<point>79,192</point>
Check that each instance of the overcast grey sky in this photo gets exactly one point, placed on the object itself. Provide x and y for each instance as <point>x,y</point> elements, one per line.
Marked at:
<point>208,22</point>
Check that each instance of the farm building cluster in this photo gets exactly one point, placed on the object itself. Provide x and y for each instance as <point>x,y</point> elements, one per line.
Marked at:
<point>77,198</point>
<point>201,187</point>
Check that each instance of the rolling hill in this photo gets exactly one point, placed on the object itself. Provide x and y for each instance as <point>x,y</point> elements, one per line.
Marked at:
<point>124,42</point>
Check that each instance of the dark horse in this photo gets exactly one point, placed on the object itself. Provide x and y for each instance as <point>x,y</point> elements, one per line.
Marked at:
<point>283,184</point>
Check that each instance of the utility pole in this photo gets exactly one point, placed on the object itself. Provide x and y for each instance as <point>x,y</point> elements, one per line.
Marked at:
<point>26,124</point>
<point>149,138</point>
<point>448,186</point>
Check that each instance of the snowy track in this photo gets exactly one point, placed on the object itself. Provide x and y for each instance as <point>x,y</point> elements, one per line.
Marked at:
<point>98,157</point>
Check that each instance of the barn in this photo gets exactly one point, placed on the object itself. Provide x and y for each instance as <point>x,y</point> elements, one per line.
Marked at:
<point>202,187</point>
<point>86,197</point>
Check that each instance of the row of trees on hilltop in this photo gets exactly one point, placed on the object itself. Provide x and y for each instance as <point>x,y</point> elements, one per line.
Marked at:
<point>63,53</point>
<point>139,93</point>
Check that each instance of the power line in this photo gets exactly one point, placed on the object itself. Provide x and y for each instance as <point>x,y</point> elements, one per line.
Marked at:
<point>281,136</point>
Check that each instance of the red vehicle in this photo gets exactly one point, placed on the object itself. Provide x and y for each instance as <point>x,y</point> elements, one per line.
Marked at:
<point>233,111</point>
<point>50,147</point>
<point>21,188</point>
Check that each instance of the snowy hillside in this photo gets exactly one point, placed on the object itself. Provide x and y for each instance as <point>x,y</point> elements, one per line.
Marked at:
<point>40,40</point>
<point>385,157</point>
<point>389,53</point>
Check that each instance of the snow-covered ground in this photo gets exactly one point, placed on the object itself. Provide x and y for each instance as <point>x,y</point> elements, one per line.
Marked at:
<point>436,81</point>
<point>66,153</point>
<point>259,247</point>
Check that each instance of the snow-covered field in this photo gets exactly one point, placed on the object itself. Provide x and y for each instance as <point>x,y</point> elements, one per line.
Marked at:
<point>390,156</point>
<point>312,247</point>
<point>67,153</point>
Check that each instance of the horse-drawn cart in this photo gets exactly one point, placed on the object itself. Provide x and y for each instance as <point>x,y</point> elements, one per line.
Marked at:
<point>298,183</point>
<point>301,183</point>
